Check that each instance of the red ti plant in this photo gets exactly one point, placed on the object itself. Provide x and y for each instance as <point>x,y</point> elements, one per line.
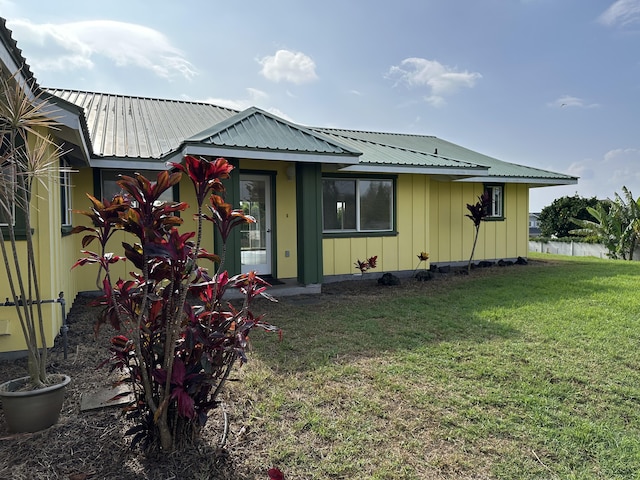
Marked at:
<point>177,353</point>
<point>477,213</point>
<point>371,262</point>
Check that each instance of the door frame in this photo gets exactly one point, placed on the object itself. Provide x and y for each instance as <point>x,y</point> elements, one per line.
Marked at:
<point>269,177</point>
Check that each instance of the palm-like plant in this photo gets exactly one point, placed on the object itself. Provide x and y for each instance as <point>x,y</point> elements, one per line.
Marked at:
<point>628,210</point>
<point>605,228</point>
<point>27,156</point>
<point>617,228</point>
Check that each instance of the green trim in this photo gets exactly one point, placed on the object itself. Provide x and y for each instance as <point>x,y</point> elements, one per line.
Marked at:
<point>20,227</point>
<point>97,183</point>
<point>352,234</point>
<point>66,230</point>
<point>233,259</point>
<point>309,222</point>
<point>367,176</point>
<point>20,234</point>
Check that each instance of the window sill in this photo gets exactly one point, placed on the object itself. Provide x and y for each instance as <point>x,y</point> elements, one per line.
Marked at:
<point>359,234</point>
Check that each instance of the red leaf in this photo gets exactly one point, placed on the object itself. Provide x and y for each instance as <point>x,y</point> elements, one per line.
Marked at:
<point>275,474</point>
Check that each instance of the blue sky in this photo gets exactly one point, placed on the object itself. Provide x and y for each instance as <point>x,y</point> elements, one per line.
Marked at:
<point>553,84</point>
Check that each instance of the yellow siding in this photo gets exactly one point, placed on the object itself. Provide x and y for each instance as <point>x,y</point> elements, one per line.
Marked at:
<point>52,251</point>
<point>432,218</point>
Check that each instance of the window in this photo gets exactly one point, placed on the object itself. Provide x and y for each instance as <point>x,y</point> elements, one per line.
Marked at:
<point>357,205</point>
<point>110,187</point>
<point>65,193</point>
<point>7,193</point>
<point>496,207</point>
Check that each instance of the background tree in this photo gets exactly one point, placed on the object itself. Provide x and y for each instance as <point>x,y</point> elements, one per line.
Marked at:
<point>558,219</point>
<point>616,225</point>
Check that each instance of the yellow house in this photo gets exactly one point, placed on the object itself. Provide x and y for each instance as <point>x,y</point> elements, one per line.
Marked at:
<point>51,214</point>
<point>323,198</point>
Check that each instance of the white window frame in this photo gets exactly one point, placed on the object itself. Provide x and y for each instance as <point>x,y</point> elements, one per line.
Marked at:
<point>496,197</point>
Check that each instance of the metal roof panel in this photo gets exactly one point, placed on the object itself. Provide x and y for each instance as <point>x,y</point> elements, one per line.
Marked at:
<point>424,150</point>
<point>256,129</point>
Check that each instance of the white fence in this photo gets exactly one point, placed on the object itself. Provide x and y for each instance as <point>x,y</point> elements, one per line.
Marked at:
<point>573,249</point>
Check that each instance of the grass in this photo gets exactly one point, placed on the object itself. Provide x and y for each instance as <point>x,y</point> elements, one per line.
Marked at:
<point>514,373</point>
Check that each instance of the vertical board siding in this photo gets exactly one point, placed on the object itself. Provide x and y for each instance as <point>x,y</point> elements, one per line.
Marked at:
<point>431,217</point>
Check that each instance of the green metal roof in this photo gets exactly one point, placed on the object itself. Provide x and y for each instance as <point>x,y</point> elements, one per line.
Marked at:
<point>127,130</point>
<point>141,128</point>
<point>255,128</point>
<point>422,151</point>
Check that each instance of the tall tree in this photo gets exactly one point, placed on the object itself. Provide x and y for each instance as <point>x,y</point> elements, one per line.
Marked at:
<point>558,219</point>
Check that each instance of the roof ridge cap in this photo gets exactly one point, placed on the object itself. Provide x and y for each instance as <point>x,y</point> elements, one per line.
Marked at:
<point>374,132</point>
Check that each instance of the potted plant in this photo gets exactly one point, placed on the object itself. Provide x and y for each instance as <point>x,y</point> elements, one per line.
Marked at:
<point>177,340</point>
<point>28,156</point>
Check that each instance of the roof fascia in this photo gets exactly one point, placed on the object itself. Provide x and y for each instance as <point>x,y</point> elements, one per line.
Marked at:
<point>546,182</point>
<point>71,116</point>
<point>119,163</point>
<point>254,154</point>
<point>447,171</point>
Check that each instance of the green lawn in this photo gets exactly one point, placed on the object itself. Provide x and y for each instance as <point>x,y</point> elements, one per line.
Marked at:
<point>518,372</point>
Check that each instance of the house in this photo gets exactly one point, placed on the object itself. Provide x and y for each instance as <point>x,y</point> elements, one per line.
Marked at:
<point>54,248</point>
<point>323,198</point>
<point>534,224</point>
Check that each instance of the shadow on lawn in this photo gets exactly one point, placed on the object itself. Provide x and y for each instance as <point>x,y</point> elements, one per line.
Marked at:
<point>360,318</point>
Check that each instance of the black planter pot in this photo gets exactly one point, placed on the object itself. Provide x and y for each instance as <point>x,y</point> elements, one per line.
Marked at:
<point>32,410</point>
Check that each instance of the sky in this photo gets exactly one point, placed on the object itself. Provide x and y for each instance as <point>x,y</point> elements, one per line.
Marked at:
<point>552,84</point>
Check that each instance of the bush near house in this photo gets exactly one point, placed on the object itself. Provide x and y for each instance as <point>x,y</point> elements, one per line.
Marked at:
<point>177,355</point>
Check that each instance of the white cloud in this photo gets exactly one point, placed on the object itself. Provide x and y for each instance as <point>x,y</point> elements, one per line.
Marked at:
<point>570,101</point>
<point>603,177</point>
<point>71,46</point>
<point>440,79</point>
<point>293,67</point>
<point>600,177</point>
<point>621,12</point>
<point>256,98</point>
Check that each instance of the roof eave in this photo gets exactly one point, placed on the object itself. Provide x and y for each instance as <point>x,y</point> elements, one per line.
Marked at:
<point>419,170</point>
<point>531,181</point>
<point>261,154</point>
<point>72,122</point>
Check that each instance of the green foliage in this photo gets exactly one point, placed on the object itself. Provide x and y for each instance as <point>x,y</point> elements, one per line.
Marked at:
<point>556,220</point>
<point>616,226</point>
